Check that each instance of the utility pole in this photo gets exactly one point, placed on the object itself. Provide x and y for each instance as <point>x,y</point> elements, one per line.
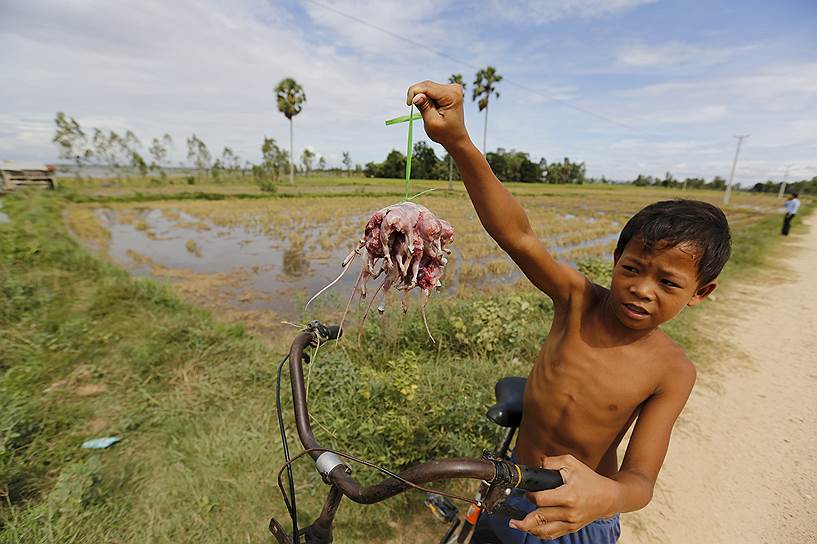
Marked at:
<point>783,185</point>
<point>732,174</point>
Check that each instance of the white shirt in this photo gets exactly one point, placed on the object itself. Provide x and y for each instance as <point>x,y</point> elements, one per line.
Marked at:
<point>792,206</point>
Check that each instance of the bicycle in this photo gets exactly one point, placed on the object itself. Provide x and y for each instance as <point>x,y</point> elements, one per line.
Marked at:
<point>498,474</point>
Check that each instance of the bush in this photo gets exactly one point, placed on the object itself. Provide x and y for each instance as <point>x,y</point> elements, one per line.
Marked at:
<point>391,400</point>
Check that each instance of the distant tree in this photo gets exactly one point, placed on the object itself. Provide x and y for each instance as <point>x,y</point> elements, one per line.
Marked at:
<point>197,153</point>
<point>718,184</point>
<point>112,150</point>
<point>450,171</point>
<point>565,172</point>
<point>307,158</point>
<point>290,97</point>
<point>393,167</point>
<point>515,166</point>
<point>322,163</point>
<point>159,149</point>
<point>138,162</point>
<point>694,183</point>
<point>453,78</point>
<point>347,162</point>
<point>485,86</point>
<point>274,158</point>
<point>642,180</point>
<point>230,161</point>
<point>71,141</point>
<point>424,161</point>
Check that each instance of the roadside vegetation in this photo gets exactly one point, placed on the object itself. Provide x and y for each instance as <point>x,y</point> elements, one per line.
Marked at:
<point>90,351</point>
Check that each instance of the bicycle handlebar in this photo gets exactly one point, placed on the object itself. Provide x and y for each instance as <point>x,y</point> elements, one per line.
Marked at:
<point>501,473</point>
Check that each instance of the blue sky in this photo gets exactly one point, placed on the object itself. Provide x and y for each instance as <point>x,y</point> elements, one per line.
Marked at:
<point>661,85</point>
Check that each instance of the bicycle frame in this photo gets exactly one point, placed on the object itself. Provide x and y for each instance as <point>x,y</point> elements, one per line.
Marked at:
<point>461,531</point>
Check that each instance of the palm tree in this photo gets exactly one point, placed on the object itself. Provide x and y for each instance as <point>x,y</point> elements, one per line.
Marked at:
<point>484,86</point>
<point>290,98</point>
<point>455,78</point>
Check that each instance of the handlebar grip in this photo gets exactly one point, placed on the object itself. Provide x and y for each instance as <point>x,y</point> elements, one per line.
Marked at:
<point>334,332</point>
<point>539,479</point>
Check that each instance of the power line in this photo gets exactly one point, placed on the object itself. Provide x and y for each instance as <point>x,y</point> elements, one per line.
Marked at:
<point>471,65</point>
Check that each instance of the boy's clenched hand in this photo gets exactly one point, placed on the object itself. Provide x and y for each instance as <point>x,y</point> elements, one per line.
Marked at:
<point>441,107</point>
<point>585,497</point>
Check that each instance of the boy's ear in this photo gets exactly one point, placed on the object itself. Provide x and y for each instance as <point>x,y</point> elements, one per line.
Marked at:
<point>702,292</point>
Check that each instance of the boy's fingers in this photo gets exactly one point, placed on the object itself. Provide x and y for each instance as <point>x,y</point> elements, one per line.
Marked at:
<point>562,463</point>
<point>423,103</point>
<point>538,524</point>
<point>433,91</point>
<point>549,497</point>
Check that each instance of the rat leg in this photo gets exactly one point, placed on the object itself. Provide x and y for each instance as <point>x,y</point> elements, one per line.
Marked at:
<point>386,285</point>
<point>385,234</point>
<point>366,314</point>
<point>415,268</point>
<point>368,270</point>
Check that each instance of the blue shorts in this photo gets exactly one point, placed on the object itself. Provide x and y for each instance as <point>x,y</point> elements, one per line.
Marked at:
<point>493,529</point>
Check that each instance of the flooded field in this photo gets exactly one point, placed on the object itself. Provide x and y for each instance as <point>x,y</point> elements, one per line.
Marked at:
<point>259,260</point>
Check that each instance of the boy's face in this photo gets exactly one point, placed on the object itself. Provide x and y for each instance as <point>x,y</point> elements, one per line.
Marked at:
<point>650,287</point>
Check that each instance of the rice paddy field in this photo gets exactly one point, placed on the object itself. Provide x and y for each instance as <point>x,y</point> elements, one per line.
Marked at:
<point>156,313</point>
<point>257,258</point>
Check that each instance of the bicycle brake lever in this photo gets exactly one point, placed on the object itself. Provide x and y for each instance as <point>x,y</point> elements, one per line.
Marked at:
<point>504,509</point>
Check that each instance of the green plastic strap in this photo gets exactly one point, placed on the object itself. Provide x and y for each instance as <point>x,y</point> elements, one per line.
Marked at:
<point>404,118</point>
<point>410,118</point>
<point>409,150</point>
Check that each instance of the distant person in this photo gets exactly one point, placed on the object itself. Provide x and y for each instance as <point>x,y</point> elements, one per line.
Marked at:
<point>791,206</point>
<point>605,366</point>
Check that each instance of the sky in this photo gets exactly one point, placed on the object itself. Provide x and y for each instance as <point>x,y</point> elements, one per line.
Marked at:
<point>625,86</point>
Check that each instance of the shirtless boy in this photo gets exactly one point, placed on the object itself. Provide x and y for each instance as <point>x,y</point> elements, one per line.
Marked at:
<point>605,364</point>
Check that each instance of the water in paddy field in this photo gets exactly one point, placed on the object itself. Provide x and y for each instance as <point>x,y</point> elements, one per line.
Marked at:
<point>3,217</point>
<point>241,267</point>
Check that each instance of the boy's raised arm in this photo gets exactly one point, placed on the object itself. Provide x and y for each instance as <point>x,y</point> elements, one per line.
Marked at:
<point>500,213</point>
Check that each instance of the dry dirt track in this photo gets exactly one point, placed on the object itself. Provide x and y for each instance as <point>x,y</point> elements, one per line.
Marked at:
<point>742,466</point>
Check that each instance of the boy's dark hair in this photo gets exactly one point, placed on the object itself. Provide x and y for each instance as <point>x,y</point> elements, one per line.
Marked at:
<point>794,195</point>
<point>672,222</point>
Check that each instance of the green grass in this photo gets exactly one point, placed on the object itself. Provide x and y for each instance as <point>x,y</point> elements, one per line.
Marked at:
<point>89,351</point>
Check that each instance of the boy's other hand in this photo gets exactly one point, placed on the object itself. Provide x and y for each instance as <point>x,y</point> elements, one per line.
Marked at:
<point>585,497</point>
<point>441,107</point>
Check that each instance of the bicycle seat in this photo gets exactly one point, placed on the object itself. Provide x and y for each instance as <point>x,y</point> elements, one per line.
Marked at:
<point>507,412</point>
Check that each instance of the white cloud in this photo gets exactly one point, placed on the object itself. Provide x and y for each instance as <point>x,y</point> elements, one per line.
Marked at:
<point>548,11</point>
<point>209,67</point>
<point>361,24</point>
<point>676,115</point>
<point>672,54</point>
<point>181,67</point>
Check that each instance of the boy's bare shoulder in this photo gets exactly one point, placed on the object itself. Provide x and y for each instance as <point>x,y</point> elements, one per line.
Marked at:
<point>677,370</point>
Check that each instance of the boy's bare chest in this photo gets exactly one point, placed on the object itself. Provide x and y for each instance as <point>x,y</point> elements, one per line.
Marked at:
<point>581,396</point>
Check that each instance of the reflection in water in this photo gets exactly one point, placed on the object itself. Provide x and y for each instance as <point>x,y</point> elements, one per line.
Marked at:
<point>295,263</point>
<point>280,269</point>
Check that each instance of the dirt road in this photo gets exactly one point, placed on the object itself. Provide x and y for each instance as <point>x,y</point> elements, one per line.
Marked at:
<point>742,466</point>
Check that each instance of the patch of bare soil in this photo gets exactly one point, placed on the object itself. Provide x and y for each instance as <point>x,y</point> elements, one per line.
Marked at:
<point>742,466</point>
